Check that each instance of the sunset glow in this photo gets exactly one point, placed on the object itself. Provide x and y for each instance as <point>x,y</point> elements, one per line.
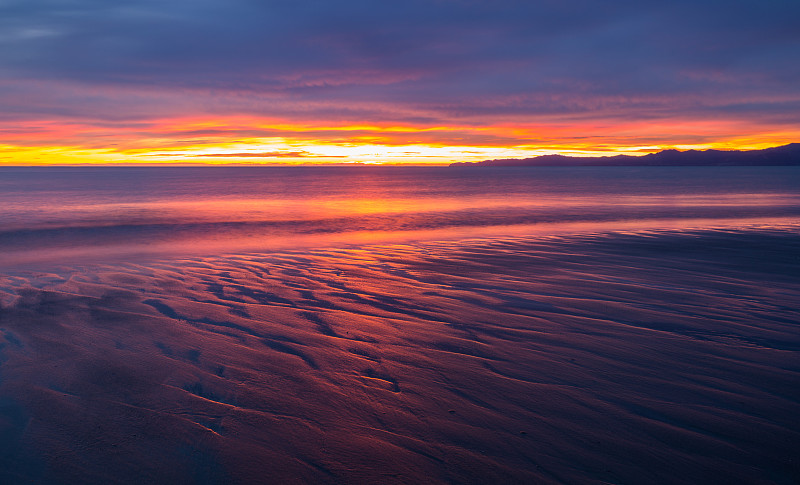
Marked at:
<point>219,141</point>
<point>436,242</point>
<point>417,83</point>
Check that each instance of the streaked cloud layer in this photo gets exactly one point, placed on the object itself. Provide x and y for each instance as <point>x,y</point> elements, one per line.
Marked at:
<point>420,81</point>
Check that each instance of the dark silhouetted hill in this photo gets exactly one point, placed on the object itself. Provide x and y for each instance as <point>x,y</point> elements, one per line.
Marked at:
<point>782,155</point>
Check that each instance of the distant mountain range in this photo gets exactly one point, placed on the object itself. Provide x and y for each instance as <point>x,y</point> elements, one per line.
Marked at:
<point>783,155</point>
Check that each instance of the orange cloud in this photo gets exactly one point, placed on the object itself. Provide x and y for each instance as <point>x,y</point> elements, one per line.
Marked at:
<point>240,139</point>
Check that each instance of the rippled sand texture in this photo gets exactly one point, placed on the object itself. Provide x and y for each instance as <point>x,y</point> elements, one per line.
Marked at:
<point>639,358</point>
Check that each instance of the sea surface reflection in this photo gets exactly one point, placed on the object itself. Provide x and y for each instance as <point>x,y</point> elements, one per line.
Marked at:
<point>111,212</point>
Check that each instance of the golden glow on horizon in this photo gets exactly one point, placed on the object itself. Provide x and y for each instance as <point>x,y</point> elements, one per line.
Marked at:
<point>247,140</point>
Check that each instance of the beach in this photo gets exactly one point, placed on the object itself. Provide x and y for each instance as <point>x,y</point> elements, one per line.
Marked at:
<point>399,243</point>
<point>605,325</point>
<point>650,357</point>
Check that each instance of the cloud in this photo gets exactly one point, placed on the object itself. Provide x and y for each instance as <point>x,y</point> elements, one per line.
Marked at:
<point>428,63</point>
<point>298,154</point>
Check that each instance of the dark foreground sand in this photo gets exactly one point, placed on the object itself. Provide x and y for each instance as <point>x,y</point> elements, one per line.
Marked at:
<point>639,358</point>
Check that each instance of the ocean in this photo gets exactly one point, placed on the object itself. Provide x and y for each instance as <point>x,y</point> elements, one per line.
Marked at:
<point>100,212</point>
<point>399,325</point>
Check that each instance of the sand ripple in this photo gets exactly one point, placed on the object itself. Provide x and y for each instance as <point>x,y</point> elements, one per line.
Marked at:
<point>638,358</point>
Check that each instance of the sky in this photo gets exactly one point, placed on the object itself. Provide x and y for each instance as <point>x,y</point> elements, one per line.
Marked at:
<point>417,81</point>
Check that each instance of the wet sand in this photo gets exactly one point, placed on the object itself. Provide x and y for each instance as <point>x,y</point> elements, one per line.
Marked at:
<point>647,357</point>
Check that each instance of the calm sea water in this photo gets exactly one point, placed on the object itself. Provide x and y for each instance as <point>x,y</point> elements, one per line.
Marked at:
<point>79,213</point>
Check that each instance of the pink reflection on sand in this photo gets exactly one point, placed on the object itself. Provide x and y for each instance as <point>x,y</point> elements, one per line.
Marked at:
<point>261,242</point>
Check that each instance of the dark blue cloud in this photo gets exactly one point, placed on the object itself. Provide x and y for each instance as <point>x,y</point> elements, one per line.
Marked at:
<point>456,58</point>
